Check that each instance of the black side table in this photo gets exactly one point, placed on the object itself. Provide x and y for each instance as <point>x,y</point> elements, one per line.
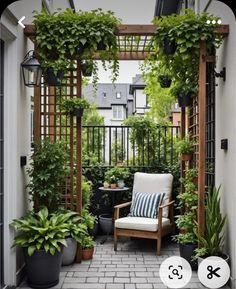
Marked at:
<point>113,193</point>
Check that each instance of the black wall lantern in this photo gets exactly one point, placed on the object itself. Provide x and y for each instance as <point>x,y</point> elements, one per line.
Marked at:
<point>31,70</point>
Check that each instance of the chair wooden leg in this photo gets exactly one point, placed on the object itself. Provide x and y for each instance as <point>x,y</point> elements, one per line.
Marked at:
<point>159,246</point>
<point>115,241</point>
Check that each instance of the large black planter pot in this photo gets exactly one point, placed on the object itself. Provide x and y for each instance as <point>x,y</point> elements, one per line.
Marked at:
<point>184,100</point>
<point>77,111</point>
<point>53,79</point>
<point>93,232</point>
<point>187,251</point>
<point>165,81</point>
<point>106,223</point>
<point>43,269</point>
<point>169,46</point>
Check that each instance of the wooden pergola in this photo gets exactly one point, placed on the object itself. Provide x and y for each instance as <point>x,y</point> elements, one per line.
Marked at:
<point>128,50</point>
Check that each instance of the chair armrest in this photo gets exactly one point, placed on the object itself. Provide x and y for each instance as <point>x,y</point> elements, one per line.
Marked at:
<point>166,205</point>
<point>122,205</point>
<point>118,207</point>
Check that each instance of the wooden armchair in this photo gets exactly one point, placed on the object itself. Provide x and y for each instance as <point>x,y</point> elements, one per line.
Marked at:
<point>150,228</point>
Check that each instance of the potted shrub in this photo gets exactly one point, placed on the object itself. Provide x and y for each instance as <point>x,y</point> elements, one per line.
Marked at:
<point>115,175</point>
<point>77,229</point>
<point>67,35</point>
<point>42,237</point>
<point>186,222</point>
<point>185,147</point>
<point>212,242</point>
<point>47,172</point>
<point>90,221</point>
<point>74,106</point>
<point>87,244</point>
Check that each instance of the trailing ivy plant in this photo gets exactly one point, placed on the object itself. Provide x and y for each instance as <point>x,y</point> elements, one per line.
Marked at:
<point>187,30</point>
<point>66,35</point>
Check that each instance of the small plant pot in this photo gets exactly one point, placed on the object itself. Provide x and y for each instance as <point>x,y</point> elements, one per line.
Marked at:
<point>113,186</point>
<point>186,157</point>
<point>53,79</point>
<point>169,46</point>
<point>77,111</point>
<point>86,69</point>
<point>106,185</point>
<point>121,184</point>
<point>184,100</point>
<point>87,253</point>
<point>106,223</point>
<point>165,81</point>
<point>101,46</point>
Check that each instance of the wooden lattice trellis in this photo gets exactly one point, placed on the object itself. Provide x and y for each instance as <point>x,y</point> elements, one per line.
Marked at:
<point>133,42</point>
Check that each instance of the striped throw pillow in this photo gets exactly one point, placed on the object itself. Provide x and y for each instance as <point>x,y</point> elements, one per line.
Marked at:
<point>146,204</point>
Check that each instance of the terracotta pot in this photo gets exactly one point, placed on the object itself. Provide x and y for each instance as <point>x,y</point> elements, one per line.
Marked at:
<point>186,157</point>
<point>87,253</point>
<point>113,186</point>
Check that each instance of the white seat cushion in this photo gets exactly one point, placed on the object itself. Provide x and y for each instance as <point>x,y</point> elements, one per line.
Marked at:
<point>140,223</point>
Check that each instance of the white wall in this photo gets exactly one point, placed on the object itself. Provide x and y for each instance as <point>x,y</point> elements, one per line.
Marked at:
<point>16,130</point>
<point>226,128</point>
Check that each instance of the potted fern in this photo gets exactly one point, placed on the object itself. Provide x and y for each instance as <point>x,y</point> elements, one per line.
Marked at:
<point>87,244</point>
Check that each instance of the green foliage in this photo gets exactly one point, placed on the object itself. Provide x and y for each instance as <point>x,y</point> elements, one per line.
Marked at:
<point>212,243</point>
<point>66,35</point>
<point>47,173</point>
<point>69,104</point>
<point>185,238</point>
<point>42,231</point>
<point>115,174</point>
<point>88,219</point>
<point>187,30</point>
<point>87,242</point>
<point>86,192</point>
<point>185,145</point>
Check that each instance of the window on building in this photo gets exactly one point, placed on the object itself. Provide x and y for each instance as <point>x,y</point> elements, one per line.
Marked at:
<point>104,94</point>
<point>118,111</point>
<point>118,95</point>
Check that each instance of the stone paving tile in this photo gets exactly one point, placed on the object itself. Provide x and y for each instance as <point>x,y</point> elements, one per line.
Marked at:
<point>134,266</point>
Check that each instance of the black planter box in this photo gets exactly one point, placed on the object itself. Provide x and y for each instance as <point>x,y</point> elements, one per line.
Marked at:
<point>187,251</point>
<point>86,70</point>
<point>169,46</point>
<point>184,100</point>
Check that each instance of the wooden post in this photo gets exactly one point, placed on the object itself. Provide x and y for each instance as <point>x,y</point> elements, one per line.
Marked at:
<point>182,133</point>
<point>37,110</point>
<point>79,157</point>
<point>202,128</point>
<point>52,111</point>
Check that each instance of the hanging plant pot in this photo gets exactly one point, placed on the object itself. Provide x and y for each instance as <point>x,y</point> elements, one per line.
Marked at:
<point>53,79</point>
<point>87,69</point>
<point>82,47</point>
<point>184,100</point>
<point>186,157</point>
<point>43,269</point>
<point>169,46</point>
<point>165,81</point>
<point>101,46</point>
<point>77,111</point>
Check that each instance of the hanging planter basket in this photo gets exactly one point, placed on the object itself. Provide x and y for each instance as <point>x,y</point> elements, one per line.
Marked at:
<point>53,79</point>
<point>169,46</point>
<point>184,100</point>
<point>101,46</point>
<point>86,69</point>
<point>186,157</point>
<point>77,111</point>
<point>165,81</point>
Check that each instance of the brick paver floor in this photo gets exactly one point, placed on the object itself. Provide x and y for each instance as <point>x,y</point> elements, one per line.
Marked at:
<point>134,266</point>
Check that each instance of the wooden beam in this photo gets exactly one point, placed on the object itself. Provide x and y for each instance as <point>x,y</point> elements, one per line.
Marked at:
<point>52,111</point>
<point>128,55</point>
<point>202,131</point>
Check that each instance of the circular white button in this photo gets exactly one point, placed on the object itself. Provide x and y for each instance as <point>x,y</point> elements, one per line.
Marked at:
<point>213,272</point>
<point>175,272</point>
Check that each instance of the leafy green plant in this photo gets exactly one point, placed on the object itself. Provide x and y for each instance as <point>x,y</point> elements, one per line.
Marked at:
<point>115,174</point>
<point>47,172</point>
<point>212,242</point>
<point>89,219</point>
<point>185,238</point>
<point>69,104</point>
<point>42,231</point>
<point>66,35</point>
<point>87,242</point>
<point>185,145</point>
